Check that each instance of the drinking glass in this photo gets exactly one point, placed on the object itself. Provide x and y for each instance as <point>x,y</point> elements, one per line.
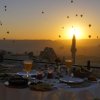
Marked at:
<point>40,74</point>
<point>27,66</point>
<point>50,73</point>
<point>68,64</point>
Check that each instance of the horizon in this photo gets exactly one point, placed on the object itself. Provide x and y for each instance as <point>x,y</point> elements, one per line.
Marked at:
<point>51,39</point>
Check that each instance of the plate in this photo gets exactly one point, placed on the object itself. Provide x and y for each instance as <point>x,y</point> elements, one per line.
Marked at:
<point>32,73</point>
<point>72,80</point>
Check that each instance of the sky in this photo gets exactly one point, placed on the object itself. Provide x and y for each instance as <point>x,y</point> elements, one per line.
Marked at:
<point>48,19</point>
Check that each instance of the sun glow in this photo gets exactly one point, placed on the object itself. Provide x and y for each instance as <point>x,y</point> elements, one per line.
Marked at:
<point>74,30</point>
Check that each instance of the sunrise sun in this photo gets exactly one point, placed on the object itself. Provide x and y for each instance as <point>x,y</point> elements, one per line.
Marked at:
<point>74,31</point>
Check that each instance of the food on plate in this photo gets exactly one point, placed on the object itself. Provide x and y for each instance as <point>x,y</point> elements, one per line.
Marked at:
<point>41,86</point>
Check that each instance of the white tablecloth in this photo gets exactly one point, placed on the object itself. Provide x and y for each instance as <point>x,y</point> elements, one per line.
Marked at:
<point>63,93</point>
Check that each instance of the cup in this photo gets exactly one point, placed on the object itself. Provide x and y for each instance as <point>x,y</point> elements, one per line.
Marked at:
<point>39,74</point>
<point>28,66</point>
<point>50,73</point>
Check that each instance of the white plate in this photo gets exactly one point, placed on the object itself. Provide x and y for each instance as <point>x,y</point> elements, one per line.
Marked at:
<point>33,72</point>
<point>71,80</point>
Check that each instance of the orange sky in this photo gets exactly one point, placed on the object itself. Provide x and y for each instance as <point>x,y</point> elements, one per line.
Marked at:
<point>24,19</point>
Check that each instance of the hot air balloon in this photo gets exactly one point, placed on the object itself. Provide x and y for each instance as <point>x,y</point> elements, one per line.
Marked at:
<point>42,12</point>
<point>76,14</point>
<point>81,15</point>
<point>59,36</point>
<point>5,8</point>
<point>72,1</point>
<point>8,32</point>
<point>4,38</point>
<point>62,27</point>
<point>89,36</point>
<point>67,16</point>
<point>89,25</point>
<point>0,23</point>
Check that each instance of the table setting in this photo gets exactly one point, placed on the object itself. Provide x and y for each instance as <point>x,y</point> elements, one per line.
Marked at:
<point>49,80</point>
<point>50,75</point>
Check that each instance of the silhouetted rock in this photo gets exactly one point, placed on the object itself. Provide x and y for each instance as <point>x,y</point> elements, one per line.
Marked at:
<point>31,54</point>
<point>48,54</point>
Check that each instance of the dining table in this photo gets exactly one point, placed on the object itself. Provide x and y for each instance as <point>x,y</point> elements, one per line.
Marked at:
<point>60,92</point>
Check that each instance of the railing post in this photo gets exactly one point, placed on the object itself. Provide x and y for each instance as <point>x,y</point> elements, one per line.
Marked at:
<point>88,65</point>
